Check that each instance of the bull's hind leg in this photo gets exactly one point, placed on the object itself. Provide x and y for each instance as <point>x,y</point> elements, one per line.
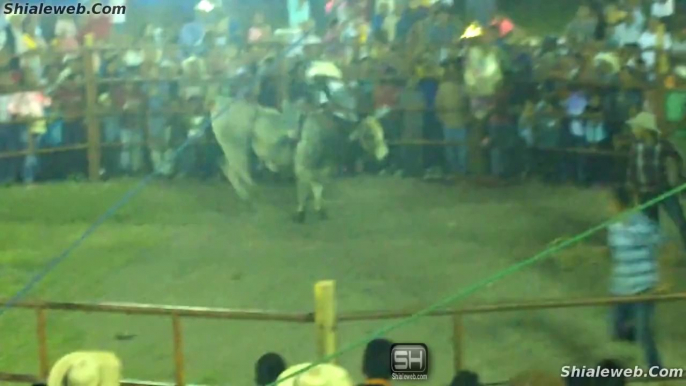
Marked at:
<point>317,195</point>
<point>235,179</point>
<point>303,193</point>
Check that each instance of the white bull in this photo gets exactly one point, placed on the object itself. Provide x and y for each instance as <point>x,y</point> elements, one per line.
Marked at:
<point>243,126</point>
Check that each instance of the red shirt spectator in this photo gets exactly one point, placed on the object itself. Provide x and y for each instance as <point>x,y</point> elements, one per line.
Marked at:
<point>385,94</point>
<point>98,25</point>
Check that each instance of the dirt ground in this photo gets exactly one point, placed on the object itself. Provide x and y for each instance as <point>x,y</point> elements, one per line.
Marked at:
<point>390,244</point>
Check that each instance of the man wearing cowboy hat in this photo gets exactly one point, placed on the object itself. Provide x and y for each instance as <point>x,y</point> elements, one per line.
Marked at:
<point>86,369</point>
<point>655,167</point>
<point>322,374</point>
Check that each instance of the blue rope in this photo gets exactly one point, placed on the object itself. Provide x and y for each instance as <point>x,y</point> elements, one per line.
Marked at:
<point>128,196</point>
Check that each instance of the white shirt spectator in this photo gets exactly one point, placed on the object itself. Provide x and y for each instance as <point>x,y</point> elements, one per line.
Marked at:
<point>648,44</point>
<point>662,8</point>
<point>595,132</point>
<point>576,127</point>
<point>629,33</point>
<point>625,34</point>
<point>5,116</point>
<point>65,28</point>
<point>298,12</point>
<point>119,18</point>
<point>19,44</point>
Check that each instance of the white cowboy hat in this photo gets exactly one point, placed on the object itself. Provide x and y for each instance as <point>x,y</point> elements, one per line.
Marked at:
<point>86,369</point>
<point>320,375</point>
<point>608,58</point>
<point>472,31</point>
<point>645,121</point>
<point>322,68</point>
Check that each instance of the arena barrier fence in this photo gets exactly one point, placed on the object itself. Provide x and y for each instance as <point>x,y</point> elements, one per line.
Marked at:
<point>656,94</point>
<point>325,317</point>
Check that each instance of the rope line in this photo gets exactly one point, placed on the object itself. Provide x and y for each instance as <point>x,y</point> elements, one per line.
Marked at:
<point>481,284</point>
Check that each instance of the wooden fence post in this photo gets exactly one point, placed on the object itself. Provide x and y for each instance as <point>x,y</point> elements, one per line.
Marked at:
<point>325,317</point>
<point>179,362</point>
<point>92,124</point>
<point>42,337</point>
<point>458,336</point>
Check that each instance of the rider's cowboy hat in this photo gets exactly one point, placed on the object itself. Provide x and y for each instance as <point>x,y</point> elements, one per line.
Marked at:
<point>86,369</point>
<point>319,375</point>
<point>644,121</point>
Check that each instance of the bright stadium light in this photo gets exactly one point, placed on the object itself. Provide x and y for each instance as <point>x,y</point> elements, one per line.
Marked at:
<point>205,6</point>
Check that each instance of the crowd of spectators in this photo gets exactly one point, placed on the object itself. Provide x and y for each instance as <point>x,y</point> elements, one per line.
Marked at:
<point>427,62</point>
<point>105,369</point>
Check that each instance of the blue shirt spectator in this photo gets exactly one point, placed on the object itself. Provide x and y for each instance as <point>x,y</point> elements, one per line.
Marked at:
<point>191,36</point>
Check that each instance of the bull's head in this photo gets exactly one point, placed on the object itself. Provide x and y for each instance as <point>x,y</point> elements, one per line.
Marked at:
<point>371,135</point>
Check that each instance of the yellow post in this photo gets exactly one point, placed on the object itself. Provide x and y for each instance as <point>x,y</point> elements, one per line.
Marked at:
<point>325,317</point>
<point>93,129</point>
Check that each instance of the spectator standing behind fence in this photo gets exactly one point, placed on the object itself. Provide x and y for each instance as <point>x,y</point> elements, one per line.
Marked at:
<point>66,34</point>
<point>29,108</point>
<point>654,167</point>
<point>633,241</point>
<point>412,105</point>
<point>70,100</point>
<point>259,30</point>
<point>649,43</point>
<point>158,93</point>
<point>451,105</point>
<point>582,28</point>
<point>629,30</point>
<point>547,129</point>
<point>501,138</point>
<point>8,133</point>
<point>132,129</point>
<point>483,78</point>
<point>664,11</point>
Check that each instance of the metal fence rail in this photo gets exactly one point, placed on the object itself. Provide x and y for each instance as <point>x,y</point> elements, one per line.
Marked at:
<point>177,313</point>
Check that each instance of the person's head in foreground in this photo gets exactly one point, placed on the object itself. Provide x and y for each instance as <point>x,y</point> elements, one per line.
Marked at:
<point>536,378</point>
<point>319,375</point>
<point>465,378</point>
<point>614,366</point>
<point>376,360</point>
<point>268,368</point>
<point>578,381</point>
<point>86,369</point>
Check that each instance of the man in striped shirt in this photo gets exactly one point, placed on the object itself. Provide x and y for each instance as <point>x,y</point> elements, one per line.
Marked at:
<point>633,243</point>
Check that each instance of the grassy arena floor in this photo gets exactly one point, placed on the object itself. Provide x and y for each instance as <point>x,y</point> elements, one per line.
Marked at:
<point>390,244</point>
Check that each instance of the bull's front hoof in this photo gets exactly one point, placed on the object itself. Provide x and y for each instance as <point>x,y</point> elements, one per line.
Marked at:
<point>299,217</point>
<point>323,215</point>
